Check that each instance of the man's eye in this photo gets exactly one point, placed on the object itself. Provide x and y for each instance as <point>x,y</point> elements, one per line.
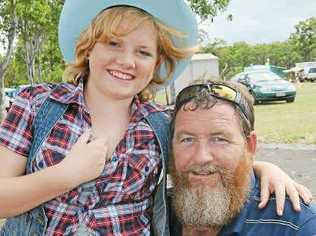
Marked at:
<point>186,140</point>
<point>218,140</point>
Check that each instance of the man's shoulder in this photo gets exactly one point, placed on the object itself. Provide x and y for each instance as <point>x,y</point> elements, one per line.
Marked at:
<point>307,211</point>
<point>291,222</point>
<point>308,220</point>
<point>254,221</point>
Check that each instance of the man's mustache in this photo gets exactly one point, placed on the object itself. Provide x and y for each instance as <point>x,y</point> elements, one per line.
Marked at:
<point>205,168</point>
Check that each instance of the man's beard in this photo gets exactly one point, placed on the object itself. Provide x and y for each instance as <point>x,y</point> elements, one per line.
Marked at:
<point>211,207</point>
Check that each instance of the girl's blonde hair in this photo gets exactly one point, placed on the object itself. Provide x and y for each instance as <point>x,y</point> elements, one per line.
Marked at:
<point>108,24</point>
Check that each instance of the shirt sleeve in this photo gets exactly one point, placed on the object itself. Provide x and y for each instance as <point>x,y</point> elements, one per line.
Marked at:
<point>16,128</point>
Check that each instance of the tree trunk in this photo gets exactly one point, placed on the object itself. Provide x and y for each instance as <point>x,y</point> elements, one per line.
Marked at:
<point>39,73</point>
<point>29,60</point>
<point>32,46</point>
<point>2,101</point>
<point>8,55</point>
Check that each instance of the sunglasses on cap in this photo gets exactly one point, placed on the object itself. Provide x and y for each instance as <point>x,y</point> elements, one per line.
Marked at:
<point>216,89</point>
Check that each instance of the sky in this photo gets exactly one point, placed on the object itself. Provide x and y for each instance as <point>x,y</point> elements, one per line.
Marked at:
<point>260,21</point>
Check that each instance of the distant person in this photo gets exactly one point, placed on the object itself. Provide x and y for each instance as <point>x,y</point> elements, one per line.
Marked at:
<point>301,75</point>
<point>215,190</point>
<point>8,105</point>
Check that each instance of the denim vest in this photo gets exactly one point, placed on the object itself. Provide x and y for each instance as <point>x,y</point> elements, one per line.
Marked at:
<point>34,222</point>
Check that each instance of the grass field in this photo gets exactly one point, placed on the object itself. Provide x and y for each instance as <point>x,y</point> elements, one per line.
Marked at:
<point>289,122</point>
<point>280,122</point>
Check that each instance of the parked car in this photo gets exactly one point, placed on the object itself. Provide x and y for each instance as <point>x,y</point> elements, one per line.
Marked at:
<point>10,92</point>
<point>266,86</point>
<point>311,74</point>
<point>9,95</point>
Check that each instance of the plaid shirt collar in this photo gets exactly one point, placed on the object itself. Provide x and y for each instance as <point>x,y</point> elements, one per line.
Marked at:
<point>68,93</point>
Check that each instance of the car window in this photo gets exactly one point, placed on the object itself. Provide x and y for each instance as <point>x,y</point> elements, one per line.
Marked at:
<point>312,70</point>
<point>265,76</point>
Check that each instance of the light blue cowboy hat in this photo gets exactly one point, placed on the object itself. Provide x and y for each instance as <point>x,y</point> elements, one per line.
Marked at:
<point>77,15</point>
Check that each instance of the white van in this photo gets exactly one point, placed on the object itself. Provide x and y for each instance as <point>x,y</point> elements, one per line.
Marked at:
<point>311,74</point>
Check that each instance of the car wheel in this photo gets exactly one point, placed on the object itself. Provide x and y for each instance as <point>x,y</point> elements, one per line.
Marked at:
<point>290,100</point>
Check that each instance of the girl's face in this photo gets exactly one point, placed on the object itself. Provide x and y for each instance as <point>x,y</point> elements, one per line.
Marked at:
<point>124,66</point>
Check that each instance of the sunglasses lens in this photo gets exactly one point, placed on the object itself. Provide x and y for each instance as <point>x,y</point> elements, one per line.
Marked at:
<point>188,93</point>
<point>224,92</point>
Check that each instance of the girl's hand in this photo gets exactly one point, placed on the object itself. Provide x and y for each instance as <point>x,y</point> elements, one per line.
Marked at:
<point>86,159</point>
<point>275,180</point>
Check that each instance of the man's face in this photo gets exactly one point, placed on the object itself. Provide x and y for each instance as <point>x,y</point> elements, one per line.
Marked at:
<point>212,162</point>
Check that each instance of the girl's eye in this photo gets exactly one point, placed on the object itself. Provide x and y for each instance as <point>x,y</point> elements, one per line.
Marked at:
<point>113,43</point>
<point>145,53</point>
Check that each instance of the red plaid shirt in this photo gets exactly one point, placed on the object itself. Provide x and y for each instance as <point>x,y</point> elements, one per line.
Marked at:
<point>118,202</point>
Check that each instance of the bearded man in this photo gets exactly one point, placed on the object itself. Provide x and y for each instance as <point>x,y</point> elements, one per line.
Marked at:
<point>215,190</point>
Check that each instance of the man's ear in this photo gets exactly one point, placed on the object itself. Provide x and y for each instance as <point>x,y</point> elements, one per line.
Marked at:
<point>251,143</point>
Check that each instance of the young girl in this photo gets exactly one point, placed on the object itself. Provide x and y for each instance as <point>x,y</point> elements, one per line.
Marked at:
<point>96,171</point>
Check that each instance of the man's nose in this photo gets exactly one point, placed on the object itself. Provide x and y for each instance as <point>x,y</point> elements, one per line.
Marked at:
<point>203,153</point>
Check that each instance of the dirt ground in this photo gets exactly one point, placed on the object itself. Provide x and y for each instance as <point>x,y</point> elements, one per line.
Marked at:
<point>298,160</point>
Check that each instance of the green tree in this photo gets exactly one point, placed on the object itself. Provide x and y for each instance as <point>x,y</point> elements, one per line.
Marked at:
<point>205,9</point>
<point>233,58</point>
<point>17,71</point>
<point>208,9</point>
<point>304,39</point>
<point>282,53</point>
<point>37,49</point>
<point>38,26</point>
<point>50,63</point>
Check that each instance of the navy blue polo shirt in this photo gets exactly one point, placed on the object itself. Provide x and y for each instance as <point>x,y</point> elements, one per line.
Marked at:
<point>263,222</point>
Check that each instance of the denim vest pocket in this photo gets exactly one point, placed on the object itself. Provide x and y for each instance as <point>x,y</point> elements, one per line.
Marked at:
<point>32,223</point>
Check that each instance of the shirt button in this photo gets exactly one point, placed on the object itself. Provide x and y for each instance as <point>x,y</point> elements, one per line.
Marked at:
<point>114,159</point>
<point>146,168</point>
<point>41,164</point>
